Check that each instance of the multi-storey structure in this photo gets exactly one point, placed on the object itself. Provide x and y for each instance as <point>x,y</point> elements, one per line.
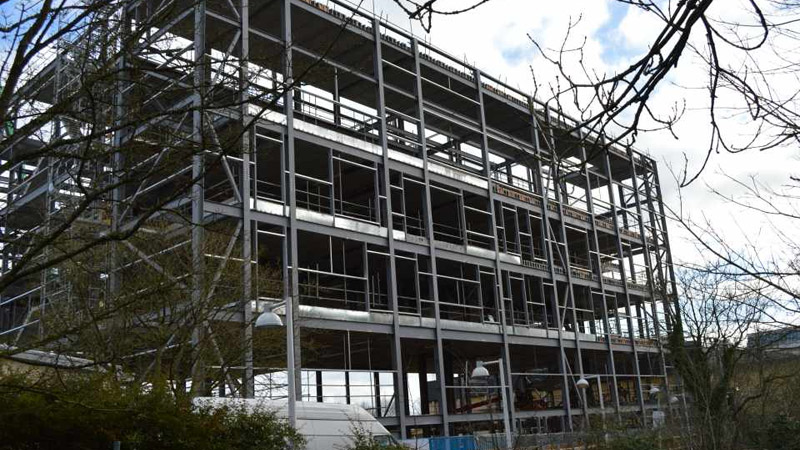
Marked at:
<point>424,216</point>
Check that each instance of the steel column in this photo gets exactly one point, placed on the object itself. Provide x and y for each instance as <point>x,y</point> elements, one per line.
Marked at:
<point>400,382</point>
<point>596,242</point>
<point>428,213</point>
<point>198,135</point>
<point>621,255</point>
<point>248,144</point>
<point>291,291</point>
<point>487,172</point>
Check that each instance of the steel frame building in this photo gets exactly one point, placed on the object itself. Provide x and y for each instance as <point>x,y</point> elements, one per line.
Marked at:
<point>423,214</point>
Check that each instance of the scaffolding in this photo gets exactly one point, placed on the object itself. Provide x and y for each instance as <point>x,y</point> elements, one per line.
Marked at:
<point>421,214</point>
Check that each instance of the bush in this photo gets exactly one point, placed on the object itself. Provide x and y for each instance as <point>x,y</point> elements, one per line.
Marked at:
<point>632,442</point>
<point>641,439</point>
<point>93,413</point>
<point>364,440</point>
<point>783,433</point>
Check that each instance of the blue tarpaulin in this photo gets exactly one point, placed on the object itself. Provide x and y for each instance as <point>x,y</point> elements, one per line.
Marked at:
<point>453,443</point>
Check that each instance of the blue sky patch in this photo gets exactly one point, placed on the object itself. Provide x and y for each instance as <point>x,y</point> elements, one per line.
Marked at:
<point>614,47</point>
<point>520,54</point>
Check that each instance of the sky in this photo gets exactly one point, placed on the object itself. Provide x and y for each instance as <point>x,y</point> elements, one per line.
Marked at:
<point>494,37</point>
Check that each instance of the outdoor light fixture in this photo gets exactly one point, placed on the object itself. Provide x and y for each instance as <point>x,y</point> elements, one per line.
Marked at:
<point>480,371</point>
<point>583,383</point>
<point>654,390</point>
<point>268,319</point>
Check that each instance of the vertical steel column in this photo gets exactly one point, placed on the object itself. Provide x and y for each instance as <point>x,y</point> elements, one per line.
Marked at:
<point>567,270</point>
<point>248,138</point>
<point>198,252</point>
<point>640,320</point>
<point>658,270</point>
<point>400,382</point>
<point>487,172</point>
<point>337,108</point>
<point>620,253</point>
<point>118,158</point>
<point>348,364</point>
<point>670,267</point>
<point>428,213</point>
<point>525,296</point>
<point>677,327</point>
<point>596,241</point>
<point>545,230</point>
<point>291,290</point>
<point>648,263</point>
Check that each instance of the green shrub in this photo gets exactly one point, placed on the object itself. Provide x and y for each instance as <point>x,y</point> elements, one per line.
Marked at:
<point>629,440</point>
<point>93,413</point>
<point>361,439</point>
<point>782,433</point>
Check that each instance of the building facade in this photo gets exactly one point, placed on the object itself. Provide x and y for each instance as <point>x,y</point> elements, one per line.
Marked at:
<point>420,215</point>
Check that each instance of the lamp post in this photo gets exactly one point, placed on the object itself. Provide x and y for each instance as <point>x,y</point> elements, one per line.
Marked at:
<point>654,391</point>
<point>583,384</point>
<point>268,319</point>
<point>481,372</point>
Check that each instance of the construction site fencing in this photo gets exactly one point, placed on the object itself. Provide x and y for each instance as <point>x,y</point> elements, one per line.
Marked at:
<point>546,441</point>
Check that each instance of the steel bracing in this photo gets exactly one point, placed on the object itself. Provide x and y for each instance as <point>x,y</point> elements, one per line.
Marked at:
<point>419,214</point>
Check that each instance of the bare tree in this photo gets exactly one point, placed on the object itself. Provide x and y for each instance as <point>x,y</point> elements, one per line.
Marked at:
<point>726,379</point>
<point>119,117</point>
<point>424,11</point>
<point>742,47</point>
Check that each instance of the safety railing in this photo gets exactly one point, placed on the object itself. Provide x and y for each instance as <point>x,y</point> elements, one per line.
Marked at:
<point>515,316</point>
<point>313,194</point>
<point>407,305</point>
<point>412,225</point>
<point>366,212</point>
<point>455,311</point>
<point>329,113</point>
<point>514,181</point>
<point>402,132</point>
<point>478,239</point>
<point>332,290</point>
<point>529,251</point>
<point>378,301</point>
<point>447,233</point>
<point>268,190</point>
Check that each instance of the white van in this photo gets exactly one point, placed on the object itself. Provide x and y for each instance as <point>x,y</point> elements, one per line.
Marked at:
<point>326,426</point>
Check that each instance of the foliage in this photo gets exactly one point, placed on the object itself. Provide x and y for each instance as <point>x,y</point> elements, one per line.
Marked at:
<point>361,439</point>
<point>94,411</point>
<point>631,439</point>
<point>782,433</point>
<point>632,442</point>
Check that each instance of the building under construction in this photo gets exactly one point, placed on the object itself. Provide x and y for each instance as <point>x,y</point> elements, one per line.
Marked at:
<point>420,214</point>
